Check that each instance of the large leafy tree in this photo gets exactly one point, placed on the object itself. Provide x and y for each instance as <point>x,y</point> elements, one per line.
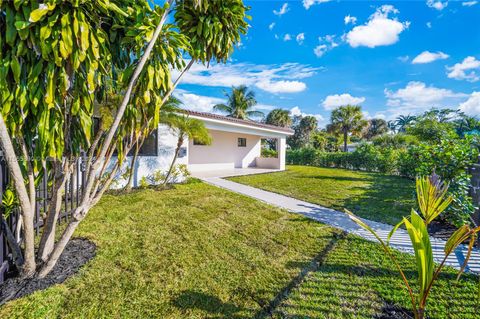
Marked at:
<point>346,120</point>
<point>240,103</point>
<point>375,127</point>
<point>60,60</point>
<point>304,127</point>
<point>279,117</point>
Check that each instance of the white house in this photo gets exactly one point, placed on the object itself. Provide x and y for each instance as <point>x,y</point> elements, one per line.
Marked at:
<point>236,144</point>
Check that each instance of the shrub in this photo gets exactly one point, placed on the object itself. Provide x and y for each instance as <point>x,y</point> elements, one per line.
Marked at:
<point>395,140</point>
<point>266,152</point>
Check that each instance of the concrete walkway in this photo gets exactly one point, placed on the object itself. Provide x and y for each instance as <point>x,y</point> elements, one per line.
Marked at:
<point>340,220</point>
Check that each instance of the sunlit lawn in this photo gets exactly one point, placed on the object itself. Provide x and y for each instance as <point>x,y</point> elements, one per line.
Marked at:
<point>377,197</point>
<point>197,251</point>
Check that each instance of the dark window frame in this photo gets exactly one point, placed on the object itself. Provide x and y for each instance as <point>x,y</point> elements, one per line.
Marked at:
<point>198,143</point>
<point>242,142</point>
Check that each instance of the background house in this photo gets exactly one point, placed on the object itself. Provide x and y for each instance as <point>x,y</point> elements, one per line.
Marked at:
<point>236,144</point>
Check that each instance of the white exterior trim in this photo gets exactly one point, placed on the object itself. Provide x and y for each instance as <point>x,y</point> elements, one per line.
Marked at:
<point>223,154</point>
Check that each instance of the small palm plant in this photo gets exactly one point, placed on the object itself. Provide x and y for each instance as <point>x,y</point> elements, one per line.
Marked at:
<point>185,127</point>
<point>432,201</point>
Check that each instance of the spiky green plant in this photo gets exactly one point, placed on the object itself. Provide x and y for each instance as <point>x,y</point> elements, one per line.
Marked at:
<point>432,201</point>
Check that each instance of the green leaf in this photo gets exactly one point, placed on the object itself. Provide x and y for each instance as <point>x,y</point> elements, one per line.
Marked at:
<point>39,13</point>
<point>112,6</point>
<point>16,69</point>
<point>417,230</point>
<point>456,239</point>
<point>20,25</point>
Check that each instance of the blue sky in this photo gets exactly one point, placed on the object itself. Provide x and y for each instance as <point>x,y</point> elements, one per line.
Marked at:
<point>390,57</point>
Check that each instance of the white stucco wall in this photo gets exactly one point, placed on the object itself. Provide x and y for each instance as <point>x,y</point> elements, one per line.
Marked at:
<point>147,165</point>
<point>224,152</point>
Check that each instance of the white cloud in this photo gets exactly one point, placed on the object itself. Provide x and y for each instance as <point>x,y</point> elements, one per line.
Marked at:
<point>283,78</point>
<point>271,25</point>
<point>196,102</point>
<point>466,70</point>
<point>349,19</point>
<point>320,50</point>
<point>300,38</point>
<point>308,3</point>
<point>326,44</point>
<point>427,57</point>
<point>472,105</point>
<point>336,100</point>
<point>287,37</point>
<point>379,30</point>
<point>284,9</point>
<point>282,86</point>
<point>469,3</point>
<point>404,58</point>
<point>437,4</point>
<point>417,97</point>
<point>296,111</point>
<point>429,25</point>
<point>264,107</point>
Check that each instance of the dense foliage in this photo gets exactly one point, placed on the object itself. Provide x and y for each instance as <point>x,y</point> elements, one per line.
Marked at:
<point>443,141</point>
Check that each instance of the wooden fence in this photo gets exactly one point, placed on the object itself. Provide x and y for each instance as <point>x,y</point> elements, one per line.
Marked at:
<point>70,200</point>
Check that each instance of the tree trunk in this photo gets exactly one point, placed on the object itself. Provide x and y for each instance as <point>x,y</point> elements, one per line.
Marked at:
<point>128,186</point>
<point>61,244</point>
<point>47,240</point>
<point>28,268</point>
<point>12,242</point>
<point>175,156</point>
<point>345,139</point>
<point>131,84</point>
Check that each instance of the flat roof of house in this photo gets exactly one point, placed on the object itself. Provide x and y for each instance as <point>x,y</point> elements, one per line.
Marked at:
<point>233,120</point>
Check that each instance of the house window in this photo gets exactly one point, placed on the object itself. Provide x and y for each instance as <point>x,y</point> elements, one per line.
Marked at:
<point>149,147</point>
<point>242,142</point>
<point>197,142</point>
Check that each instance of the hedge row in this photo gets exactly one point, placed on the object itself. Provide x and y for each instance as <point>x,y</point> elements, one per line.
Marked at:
<point>365,158</point>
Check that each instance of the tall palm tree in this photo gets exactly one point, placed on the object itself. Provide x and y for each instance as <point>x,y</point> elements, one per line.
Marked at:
<point>347,119</point>
<point>403,121</point>
<point>279,117</point>
<point>239,104</point>
<point>185,127</point>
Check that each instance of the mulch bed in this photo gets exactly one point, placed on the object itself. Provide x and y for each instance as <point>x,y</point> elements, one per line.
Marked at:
<point>390,311</point>
<point>77,253</point>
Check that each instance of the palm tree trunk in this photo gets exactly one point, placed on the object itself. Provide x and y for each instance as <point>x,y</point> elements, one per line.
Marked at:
<point>175,156</point>
<point>345,138</point>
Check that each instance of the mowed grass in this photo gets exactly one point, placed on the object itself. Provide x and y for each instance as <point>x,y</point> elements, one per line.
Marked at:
<point>373,196</point>
<point>357,280</point>
<point>197,251</point>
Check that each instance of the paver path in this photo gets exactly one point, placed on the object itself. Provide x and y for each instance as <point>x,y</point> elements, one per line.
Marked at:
<point>341,220</point>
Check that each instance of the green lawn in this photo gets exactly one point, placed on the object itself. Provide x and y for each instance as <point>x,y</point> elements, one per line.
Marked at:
<point>374,196</point>
<point>197,251</point>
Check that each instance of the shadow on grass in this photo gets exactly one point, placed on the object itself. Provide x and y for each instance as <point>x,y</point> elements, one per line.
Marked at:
<point>387,199</point>
<point>191,299</point>
<point>337,178</point>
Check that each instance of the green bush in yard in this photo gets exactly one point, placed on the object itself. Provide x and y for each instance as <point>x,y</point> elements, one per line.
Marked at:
<point>450,159</point>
